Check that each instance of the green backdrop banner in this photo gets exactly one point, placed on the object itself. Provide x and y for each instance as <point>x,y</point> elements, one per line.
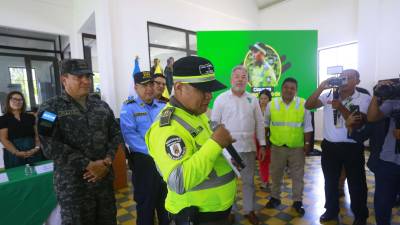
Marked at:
<point>269,56</point>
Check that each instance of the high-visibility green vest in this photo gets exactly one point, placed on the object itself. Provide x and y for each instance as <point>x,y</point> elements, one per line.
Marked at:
<point>287,122</point>
<point>190,162</point>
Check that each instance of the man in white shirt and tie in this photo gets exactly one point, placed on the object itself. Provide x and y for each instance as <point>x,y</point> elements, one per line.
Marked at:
<point>240,112</point>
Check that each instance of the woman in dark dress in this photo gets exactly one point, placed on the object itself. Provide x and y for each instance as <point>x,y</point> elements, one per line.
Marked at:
<point>18,133</point>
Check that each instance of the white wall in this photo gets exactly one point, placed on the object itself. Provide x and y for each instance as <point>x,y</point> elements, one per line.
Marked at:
<point>121,28</point>
<point>379,38</point>
<point>373,23</point>
<point>336,21</point>
<point>37,15</point>
<point>388,41</point>
<point>129,26</point>
<point>81,12</point>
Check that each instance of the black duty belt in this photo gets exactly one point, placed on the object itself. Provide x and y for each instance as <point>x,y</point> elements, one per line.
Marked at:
<point>202,217</point>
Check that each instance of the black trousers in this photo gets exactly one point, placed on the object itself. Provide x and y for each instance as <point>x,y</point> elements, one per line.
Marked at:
<point>335,155</point>
<point>149,190</point>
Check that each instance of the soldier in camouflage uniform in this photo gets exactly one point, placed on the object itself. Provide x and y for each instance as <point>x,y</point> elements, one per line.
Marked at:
<point>79,132</point>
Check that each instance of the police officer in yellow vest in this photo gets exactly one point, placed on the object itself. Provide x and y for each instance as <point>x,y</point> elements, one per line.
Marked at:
<point>290,128</point>
<point>201,184</point>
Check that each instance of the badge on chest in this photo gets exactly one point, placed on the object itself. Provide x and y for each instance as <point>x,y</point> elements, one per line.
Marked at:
<point>137,114</point>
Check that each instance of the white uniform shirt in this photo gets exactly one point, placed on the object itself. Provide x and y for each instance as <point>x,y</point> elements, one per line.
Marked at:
<point>334,133</point>
<point>242,117</point>
<point>307,116</point>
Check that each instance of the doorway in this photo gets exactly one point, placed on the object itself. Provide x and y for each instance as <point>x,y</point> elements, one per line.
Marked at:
<point>37,77</point>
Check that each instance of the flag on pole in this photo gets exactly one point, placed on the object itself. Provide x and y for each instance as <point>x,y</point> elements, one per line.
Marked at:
<point>136,69</point>
<point>158,69</point>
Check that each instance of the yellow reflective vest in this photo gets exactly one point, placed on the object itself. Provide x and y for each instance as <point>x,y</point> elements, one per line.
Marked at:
<point>287,122</point>
<point>190,162</point>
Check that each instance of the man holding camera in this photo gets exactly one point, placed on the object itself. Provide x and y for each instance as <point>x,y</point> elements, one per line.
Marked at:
<point>337,149</point>
<point>387,164</point>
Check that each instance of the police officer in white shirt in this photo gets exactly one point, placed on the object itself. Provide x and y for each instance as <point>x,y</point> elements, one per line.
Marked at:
<point>338,150</point>
<point>241,114</point>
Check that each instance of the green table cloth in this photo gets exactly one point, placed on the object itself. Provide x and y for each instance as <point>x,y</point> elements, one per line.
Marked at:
<point>26,200</point>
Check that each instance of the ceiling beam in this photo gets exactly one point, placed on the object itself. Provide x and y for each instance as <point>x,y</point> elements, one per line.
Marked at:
<point>269,4</point>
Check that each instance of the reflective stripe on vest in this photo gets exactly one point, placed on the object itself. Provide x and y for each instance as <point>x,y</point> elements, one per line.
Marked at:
<point>288,124</point>
<point>175,179</point>
<point>214,181</point>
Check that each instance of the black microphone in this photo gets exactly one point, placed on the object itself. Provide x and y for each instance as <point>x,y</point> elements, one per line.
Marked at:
<point>335,111</point>
<point>231,150</point>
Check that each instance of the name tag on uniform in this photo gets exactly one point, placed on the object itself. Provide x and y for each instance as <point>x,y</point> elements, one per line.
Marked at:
<point>70,112</point>
<point>140,114</point>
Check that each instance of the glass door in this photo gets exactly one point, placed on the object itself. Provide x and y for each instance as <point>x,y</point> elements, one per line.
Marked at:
<point>13,77</point>
<point>44,82</point>
<point>36,77</point>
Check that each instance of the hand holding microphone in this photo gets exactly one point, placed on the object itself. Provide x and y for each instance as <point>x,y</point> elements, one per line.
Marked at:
<point>222,136</point>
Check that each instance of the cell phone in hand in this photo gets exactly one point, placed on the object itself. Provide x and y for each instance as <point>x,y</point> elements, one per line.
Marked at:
<point>355,109</point>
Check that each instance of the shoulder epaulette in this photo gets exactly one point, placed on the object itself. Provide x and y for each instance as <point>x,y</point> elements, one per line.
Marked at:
<point>163,99</point>
<point>166,115</point>
<point>129,101</point>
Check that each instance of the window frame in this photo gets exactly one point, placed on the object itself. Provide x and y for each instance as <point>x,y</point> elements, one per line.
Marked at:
<point>327,48</point>
<point>187,33</point>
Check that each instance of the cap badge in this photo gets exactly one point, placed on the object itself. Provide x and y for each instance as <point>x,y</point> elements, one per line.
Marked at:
<point>206,69</point>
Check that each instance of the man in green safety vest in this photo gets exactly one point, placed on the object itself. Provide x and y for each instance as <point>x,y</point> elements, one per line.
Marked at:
<point>201,184</point>
<point>290,128</point>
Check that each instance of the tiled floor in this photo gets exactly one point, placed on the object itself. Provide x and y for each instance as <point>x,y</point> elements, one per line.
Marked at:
<point>313,201</point>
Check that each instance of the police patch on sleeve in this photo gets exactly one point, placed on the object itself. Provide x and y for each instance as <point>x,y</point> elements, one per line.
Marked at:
<point>175,147</point>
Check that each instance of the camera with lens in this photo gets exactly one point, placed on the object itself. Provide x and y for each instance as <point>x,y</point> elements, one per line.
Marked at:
<point>388,90</point>
<point>337,81</point>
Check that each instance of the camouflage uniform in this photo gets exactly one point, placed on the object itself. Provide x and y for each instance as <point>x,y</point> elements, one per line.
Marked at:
<point>82,135</point>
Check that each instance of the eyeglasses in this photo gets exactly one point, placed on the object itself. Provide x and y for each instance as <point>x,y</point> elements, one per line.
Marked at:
<point>160,83</point>
<point>17,99</point>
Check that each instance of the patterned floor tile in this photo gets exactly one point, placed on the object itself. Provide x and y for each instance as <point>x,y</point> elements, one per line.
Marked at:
<point>313,202</point>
